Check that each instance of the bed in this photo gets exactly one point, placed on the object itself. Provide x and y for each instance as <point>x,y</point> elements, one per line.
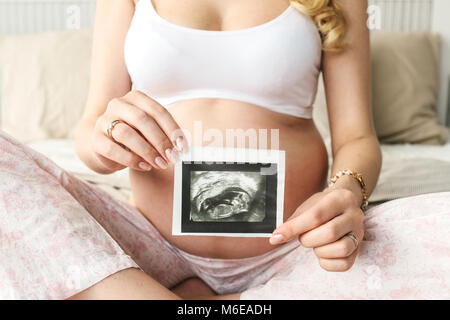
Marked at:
<point>44,82</point>
<point>408,170</point>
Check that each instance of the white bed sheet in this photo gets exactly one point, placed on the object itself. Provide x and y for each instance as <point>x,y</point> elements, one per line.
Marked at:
<point>62,152</point>
<point>408,151</point>
<point>408,170</point>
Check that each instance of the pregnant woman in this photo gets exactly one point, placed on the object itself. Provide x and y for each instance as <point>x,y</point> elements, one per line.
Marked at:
<point>161,67</point>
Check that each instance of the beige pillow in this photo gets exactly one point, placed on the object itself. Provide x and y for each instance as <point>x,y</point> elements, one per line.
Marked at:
<point>44,83</point>
<point>405,82</point>
<point>405,85</point>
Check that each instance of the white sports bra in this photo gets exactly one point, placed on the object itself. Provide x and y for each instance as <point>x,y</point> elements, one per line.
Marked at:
<point>275,65</point>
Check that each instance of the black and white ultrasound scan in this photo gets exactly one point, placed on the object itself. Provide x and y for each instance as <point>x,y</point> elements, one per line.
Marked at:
<point>229,192</point>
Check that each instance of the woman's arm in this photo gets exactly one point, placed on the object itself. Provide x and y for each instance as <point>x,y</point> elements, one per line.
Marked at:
<point>109,76</point>
<point>331,222</point>
<point>347,82</point>
<point>147,136</point>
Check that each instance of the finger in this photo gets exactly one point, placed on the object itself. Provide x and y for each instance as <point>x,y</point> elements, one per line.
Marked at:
<point>112,151</point>
<point>338,265</point>
<point>342,248</point>
<point>147,126</point>
<point>130,138</point>
<point>162,117</point>
<point>332,205</point>
<point>331,231</point>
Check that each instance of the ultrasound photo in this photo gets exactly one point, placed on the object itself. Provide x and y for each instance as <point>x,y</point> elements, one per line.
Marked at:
<point>224,196</point>
<point>221,196</point>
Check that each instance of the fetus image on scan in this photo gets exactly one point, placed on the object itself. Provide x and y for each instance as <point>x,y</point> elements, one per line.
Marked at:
<point>227,196</point>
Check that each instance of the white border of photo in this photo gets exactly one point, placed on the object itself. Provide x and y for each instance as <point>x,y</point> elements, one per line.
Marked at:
<point>228,155</point>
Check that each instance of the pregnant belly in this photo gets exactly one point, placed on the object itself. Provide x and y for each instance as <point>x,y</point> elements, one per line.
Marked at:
<point>210,122</point>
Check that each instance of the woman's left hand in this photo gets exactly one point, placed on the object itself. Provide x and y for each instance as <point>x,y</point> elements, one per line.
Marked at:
<point>330,222</point>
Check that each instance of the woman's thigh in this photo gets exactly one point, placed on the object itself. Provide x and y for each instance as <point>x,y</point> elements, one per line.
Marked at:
<point>60,235</point>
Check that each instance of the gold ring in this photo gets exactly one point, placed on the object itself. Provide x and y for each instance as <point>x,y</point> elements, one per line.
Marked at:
<point>354,238</point>
<point>111,128</point>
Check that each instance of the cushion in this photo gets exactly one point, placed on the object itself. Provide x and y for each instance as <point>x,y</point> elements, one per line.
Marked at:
<point>405,86</point>
<point>44,85</point>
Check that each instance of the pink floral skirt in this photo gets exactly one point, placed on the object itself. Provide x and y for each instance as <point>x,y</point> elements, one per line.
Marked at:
<point>60,235</point>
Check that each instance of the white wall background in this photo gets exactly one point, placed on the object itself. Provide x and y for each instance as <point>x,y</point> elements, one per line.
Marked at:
<point>441,24</point>
<point>405,15</point>
<point>27,16</point>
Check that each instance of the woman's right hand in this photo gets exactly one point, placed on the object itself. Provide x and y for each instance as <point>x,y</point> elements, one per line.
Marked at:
<point>146,137</point>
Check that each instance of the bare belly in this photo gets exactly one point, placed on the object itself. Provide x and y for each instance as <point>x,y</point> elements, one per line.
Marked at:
<point>306,168</point>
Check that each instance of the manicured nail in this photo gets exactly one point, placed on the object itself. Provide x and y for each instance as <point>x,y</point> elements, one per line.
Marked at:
<point>276,239</point>
<point>169,154</point>
<point>173,155</point>
<point>161,163</point>
<point>182,145</point>
<point>145,166</point>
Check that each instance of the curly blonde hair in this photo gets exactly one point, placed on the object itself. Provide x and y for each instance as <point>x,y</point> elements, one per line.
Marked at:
<point>329,19</point>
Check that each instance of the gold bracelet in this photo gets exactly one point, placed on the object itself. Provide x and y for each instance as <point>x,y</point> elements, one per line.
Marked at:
<point>359,178</point>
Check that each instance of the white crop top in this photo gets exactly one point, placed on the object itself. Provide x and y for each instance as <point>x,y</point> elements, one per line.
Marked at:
<point>275,65</point>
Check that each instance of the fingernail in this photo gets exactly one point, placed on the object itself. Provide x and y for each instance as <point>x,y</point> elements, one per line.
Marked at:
<point>276,239</point>
<point>145,166</point>
<point>182,144</point>
<point>173,155</point>
<point>161,163</point>
<point>169,154</point>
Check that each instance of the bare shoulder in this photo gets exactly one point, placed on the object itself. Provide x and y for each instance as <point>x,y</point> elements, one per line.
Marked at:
<point>352,5</point>
<point>117,3</point>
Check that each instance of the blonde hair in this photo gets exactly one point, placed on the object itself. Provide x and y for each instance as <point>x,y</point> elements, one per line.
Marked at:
<point>329,19</point>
